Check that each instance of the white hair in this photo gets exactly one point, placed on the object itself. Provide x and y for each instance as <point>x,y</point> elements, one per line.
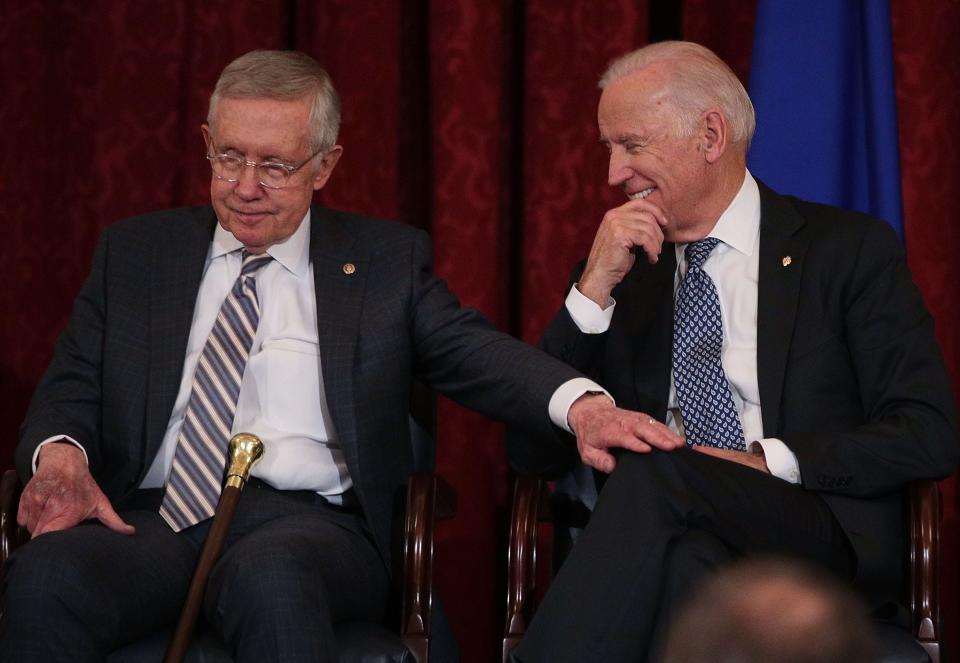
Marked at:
<point>698,80</point>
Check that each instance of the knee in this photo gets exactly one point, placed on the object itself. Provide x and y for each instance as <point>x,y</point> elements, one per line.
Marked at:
<point>652,482</point>
<point>691,557</point>
<point>268,580</point>
<point>697,549</point>
<point>46,582</point>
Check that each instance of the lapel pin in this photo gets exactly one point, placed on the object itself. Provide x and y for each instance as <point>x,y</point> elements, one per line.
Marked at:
<point>349,268</point>
<point>786,261</point>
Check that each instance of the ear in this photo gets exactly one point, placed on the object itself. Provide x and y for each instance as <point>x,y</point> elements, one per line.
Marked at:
<point>713,135</point>
<point>327,164</point>
<point>207,137</point>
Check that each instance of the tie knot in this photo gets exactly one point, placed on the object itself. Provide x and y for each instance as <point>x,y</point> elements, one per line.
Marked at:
<point>252,262</point>
<point>698,252</point>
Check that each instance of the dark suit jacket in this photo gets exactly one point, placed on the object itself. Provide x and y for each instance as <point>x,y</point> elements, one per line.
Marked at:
<point>850,374</point>
<point>117,368</point>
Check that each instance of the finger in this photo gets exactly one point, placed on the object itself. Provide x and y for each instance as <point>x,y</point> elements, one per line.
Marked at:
<point>106,515</point>
<point>628,440</point>
<point>658,435</point>
<point>51,525</point>
<point>52,519</point>
<point>599,460</point>
<point>32,504</point>
<point>25,514</point>
<point>643,205</point>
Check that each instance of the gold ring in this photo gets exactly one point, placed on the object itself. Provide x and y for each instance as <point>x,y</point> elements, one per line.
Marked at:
<point>651,420</point>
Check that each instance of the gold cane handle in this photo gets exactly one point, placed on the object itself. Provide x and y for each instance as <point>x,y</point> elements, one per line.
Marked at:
<point>245,449</point>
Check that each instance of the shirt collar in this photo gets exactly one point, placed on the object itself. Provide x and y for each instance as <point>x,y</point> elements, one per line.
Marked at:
<point>293,253</point>
<point>739,225</point>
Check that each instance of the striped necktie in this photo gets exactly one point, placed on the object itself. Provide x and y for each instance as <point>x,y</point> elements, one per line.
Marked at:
<point>703,392</point>
<point>194,483</point>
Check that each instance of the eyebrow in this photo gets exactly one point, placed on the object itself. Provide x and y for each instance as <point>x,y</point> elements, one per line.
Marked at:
<point>619,139</point>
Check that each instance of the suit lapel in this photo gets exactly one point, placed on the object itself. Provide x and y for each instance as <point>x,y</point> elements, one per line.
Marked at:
<point>653,286</point>
<point>782,251</point>
<point>174,284</point>
<point>340,267</point>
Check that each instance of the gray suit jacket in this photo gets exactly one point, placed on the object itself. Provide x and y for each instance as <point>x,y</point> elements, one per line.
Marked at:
<point>117,367</point>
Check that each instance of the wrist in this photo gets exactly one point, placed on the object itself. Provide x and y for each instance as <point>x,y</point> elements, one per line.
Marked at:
<point>588,401</point>
<point>594,290</point>
<point>61,448</point>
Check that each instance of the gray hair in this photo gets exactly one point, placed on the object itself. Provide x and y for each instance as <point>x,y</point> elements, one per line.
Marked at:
<point>285,75</point>
<point>698,81</point>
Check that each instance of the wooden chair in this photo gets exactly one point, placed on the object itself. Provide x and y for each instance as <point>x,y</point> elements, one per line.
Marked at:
<point>533,504</point>
<point>415,635</point>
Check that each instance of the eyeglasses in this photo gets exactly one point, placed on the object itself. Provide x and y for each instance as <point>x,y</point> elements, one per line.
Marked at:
<point>271,174</point>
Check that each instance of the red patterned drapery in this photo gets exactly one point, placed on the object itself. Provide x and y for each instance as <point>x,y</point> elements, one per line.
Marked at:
<point>473,119</point>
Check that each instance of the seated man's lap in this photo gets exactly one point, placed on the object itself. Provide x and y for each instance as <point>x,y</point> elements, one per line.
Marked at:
<point>98,586</point>
<point>289,548</point>
<point>748,510</point>
<point>112,589</point>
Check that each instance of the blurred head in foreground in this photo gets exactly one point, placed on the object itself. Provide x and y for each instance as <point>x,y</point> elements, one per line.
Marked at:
<point>764,611</point>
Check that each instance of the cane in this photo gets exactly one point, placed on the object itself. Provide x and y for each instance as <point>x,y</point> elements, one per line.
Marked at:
<point>245,450</point>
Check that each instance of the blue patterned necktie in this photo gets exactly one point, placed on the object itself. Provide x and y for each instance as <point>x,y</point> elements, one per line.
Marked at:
<point>193,485</point>
<point>706,404</point>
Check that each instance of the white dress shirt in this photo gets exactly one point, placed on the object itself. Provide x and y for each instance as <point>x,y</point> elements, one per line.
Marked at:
<point>282,396</point>
<point>734,266</point>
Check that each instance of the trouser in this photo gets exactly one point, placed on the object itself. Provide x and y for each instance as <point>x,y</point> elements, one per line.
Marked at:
<point>292,566</point>
<point>664,521</point>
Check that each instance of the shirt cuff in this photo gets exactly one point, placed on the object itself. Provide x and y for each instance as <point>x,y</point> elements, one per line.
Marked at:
<point>564,397</point>
<point>57,438</point>
<point>587,316</point>
<point>780,460</point>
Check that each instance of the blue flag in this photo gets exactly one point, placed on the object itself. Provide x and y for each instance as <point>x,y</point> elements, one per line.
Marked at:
<point>822,83</point>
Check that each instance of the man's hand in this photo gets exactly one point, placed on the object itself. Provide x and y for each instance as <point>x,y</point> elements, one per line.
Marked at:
<point>600,426</point>
<point>636,223</point>
<point>63,493</point>
<point>754,459</point>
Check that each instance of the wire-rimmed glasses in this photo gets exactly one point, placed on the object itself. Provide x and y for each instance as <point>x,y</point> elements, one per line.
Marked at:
<point>270,174</point>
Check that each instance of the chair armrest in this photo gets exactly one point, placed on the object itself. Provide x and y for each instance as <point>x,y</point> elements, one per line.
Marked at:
<point>11,534</point>
<point>528,499</point>
<point>428,497</point>
<point>924,561</point>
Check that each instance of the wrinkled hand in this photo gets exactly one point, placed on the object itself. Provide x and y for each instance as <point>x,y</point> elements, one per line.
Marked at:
<point>601,426</point>
<point>63,494</point>
<point>636,223</point>
<point>754,459</point>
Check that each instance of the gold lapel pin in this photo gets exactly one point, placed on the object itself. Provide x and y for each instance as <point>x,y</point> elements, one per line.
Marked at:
<point>349,268</point>
<point>786,261</point>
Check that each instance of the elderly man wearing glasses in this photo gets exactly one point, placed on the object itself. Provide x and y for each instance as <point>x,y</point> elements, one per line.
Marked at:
<point>300,324</point>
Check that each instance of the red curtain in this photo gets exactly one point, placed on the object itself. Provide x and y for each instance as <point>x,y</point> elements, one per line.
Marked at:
<point>473,119</point>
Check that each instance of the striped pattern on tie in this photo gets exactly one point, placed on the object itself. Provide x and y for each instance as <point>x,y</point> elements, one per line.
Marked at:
<point>194,483</point>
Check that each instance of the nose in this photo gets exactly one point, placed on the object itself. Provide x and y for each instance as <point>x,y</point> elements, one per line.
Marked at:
<point>618,170</point>
<point>248,185</point>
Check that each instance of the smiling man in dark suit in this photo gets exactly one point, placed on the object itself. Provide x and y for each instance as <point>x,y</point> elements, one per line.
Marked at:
<point>300,324</point>
<point>784,339</point>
